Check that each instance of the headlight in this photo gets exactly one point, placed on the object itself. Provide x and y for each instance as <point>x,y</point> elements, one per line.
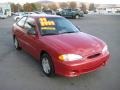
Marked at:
<point>70,57</point>
<point>105,49</point>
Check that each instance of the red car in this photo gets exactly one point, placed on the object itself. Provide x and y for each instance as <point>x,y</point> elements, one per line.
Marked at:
<point>59,46</point>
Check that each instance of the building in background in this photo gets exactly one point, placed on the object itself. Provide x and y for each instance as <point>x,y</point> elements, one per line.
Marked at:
<point>108,8</point>
<point>5,9</point>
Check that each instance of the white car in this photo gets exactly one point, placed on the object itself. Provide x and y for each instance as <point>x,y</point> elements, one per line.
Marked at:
<point>3,16</point>
<point>19,15</point>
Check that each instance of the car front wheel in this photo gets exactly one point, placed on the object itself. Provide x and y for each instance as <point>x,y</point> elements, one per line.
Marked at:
<point>47,65</point>
<point>77,16</point>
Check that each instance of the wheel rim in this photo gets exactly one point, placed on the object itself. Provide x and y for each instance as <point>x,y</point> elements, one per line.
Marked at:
<point>77,16</point>
<point>16,43</point>
<point>45,65</point>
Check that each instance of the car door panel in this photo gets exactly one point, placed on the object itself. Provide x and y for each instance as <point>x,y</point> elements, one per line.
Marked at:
<point>27,42</point>
<point>31,44</point>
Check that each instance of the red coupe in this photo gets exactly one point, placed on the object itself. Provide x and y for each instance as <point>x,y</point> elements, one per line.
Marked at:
<point>59,46</point>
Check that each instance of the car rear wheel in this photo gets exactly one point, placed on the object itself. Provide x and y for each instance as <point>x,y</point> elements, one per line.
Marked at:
<point>77,16</point>
<point>47,65</point>
<point>16,44</point>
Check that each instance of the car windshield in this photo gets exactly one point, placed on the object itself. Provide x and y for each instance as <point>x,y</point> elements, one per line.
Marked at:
<point>67,10</point>
<point>48,12</point>
<point>56,25</point>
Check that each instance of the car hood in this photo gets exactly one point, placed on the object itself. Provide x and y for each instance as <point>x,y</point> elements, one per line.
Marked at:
<point>77,43</point>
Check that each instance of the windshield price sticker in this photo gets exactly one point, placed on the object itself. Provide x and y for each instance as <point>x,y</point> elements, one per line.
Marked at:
<point>45,22</point>
<point>48,28</point>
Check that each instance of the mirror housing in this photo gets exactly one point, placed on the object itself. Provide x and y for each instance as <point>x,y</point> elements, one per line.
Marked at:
<point>31,32</point>
<point>78,28</point>
<point>31,24</point>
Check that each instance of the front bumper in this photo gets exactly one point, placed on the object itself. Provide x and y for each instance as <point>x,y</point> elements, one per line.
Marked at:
<point>76,68</point>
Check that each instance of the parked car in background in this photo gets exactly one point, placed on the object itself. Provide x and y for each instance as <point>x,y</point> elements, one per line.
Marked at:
<point>2,16</point>
<point>51,12</point>
<point>39,12</point>
<point>86,12</point>
<point>71,13</point>
<point>28,13</point>
<point>18,15</point>
<point>21,14</point>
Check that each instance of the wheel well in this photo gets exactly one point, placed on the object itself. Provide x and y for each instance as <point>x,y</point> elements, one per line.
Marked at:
<point>42,52</point>
<point>77,14</point>
<point>13,37</point>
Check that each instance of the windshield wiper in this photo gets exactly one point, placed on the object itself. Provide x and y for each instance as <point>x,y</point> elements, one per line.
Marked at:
<point>68,32</point>
<point>49,34</point>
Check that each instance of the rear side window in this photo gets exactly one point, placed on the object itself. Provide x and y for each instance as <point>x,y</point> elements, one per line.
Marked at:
<point>29,23</point>
<point>68,10</point>
<point>21,22</point>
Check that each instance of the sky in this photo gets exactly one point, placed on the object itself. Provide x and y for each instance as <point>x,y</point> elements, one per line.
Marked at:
<point>91,1</point>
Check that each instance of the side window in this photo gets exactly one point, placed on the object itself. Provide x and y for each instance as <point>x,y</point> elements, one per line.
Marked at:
<point>30,23</point>
<point>22,22</point>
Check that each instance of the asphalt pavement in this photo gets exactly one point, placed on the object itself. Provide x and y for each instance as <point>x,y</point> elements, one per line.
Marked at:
<point>19,71</point>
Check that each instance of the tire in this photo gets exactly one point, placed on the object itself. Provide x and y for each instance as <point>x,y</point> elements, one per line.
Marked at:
<point>47,65</point>
<point>81,15</point>
<point>77,16</point>
<point>16,44</point>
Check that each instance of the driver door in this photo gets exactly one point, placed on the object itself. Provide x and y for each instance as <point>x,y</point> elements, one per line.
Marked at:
<point>31,40</point>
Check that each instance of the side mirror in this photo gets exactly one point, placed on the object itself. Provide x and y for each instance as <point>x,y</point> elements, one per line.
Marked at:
<point>31,32</point>
<point>16,19</point>
<point>31,24</point>
<point>78,28</point>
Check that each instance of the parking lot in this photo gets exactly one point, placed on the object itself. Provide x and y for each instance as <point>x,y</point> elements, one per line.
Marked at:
<point>19,71</point>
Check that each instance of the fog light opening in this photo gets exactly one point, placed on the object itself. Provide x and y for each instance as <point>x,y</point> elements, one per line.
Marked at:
<point>74,72</point>
<point>104,63</point>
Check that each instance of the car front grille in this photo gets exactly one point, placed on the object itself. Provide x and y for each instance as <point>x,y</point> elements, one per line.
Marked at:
<point>94,56</point>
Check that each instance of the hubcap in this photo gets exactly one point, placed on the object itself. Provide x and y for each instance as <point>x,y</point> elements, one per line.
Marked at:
<point>45,65</point>
<point>77,16</point>
<point>16,43</point>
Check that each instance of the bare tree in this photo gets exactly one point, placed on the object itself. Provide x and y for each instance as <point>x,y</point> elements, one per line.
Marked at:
<point>13,7</point>
<point>63,5</point>
<point>91,7</point>
<point>34,8</point>
<point>52,6</point>
<point>45,7</point>
<point>83,8</point>
<point>16,7</point>
<point>28,7</point>
<point>72,5</point>
<point>38,6</point>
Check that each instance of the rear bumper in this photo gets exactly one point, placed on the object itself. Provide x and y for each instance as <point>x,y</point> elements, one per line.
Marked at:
<point>71,69</point>
<point>3,17</point>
